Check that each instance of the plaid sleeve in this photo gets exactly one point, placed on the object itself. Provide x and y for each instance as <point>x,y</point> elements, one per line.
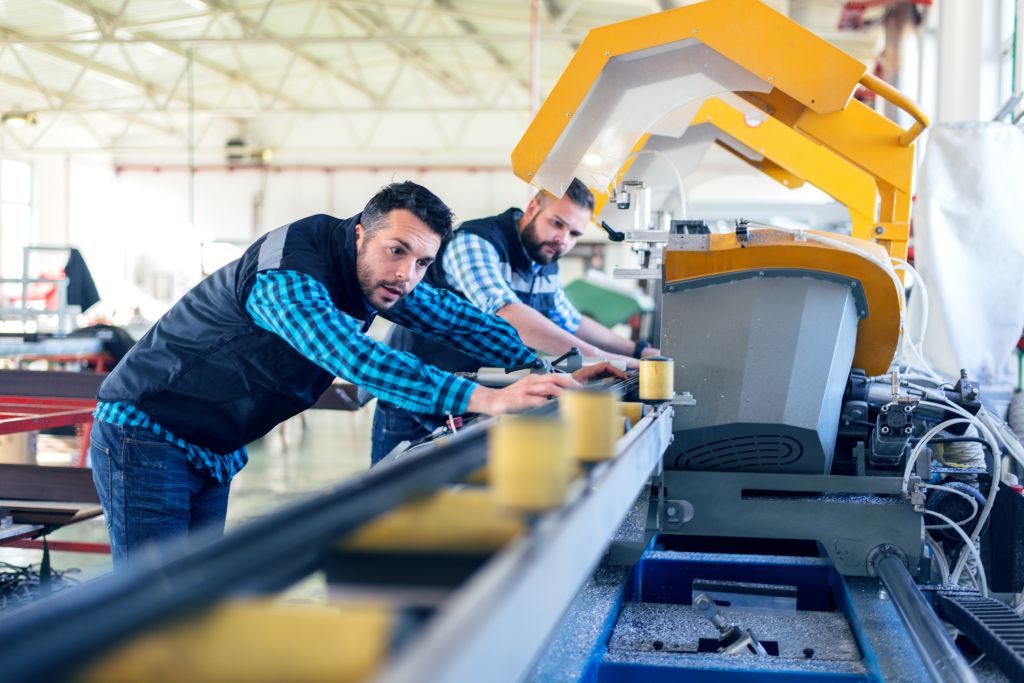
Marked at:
<point>298,308</point>
<point>473,267</point>
<point>456,322</point>
<point>565,314</point>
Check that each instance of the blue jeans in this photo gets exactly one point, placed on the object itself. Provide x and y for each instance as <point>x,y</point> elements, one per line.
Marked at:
<point>150,491</point>
<point>392,426</point>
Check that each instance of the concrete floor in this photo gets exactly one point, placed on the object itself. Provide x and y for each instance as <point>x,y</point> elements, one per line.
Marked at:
<point>307,454</point>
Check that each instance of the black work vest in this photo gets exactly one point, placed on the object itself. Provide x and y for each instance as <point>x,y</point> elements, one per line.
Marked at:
<point>535,288</point>
<point>208,373</point>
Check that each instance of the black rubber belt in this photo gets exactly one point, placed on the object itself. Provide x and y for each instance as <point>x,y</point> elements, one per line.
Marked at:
<point>991,625</point>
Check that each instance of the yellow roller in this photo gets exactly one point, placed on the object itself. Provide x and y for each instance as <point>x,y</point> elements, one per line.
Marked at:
<point>256,642</point>
<point>528,462</point>
<point>657,379</point>
<point>634,412</point>
<point>593,422</point>
<point>450,521</point>
<point>478,477</point>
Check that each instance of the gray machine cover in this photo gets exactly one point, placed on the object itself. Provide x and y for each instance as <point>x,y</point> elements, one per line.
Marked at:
<point>766,354</point>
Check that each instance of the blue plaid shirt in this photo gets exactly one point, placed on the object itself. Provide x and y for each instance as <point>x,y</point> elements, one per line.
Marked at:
<point>298,308</point>
<point>220,466</point>
<point>472,266</point>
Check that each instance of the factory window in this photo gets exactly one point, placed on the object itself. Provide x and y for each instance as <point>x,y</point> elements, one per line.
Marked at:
<point>1009,48</point>
<point>15,215</point>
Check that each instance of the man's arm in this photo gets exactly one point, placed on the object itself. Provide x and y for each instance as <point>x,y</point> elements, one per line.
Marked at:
<point>474,267</point>
<point>540,333</point>
<point>456,322</point>
<point>599,335</point>
<point>298,308</point>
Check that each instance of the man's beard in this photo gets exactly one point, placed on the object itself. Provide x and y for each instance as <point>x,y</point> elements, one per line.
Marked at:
<point>366,282</point>
<point>534,245</point>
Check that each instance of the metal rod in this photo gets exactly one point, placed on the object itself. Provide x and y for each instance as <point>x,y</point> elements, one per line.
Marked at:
<point>939,653</point>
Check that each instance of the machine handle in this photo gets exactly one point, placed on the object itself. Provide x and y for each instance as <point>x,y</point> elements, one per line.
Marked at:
<point>880,87</point>
<point>613,234</point>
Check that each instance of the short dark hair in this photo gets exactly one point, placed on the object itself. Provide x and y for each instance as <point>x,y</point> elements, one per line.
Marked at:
<point>578,193</point>
<point>414,198</point>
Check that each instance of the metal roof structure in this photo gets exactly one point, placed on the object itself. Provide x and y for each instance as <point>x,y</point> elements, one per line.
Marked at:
<point>423,82</point>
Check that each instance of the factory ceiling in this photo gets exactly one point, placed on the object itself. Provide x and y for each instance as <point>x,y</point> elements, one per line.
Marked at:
<point>304,81</point>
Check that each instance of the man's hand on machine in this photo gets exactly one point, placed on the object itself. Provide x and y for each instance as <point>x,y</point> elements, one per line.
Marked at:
<point>529,392</point>
<point>650,351</point>
<point>598,371</point>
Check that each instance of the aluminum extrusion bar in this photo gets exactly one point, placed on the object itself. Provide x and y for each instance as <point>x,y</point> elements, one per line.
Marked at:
<point>61,484</point>
<point>940,655</point>
<point>51,639</point>
<point>52,383</point>
<point>521,595</point>
<point>59,384</point>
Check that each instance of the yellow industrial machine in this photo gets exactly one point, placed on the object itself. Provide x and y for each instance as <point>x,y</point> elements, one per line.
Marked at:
<point>761,514</point>
<point>652,76</point>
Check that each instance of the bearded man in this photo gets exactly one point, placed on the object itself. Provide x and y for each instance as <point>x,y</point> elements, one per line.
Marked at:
<point>507,265</point>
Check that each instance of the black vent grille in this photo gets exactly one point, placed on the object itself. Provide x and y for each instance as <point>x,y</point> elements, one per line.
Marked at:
<point>741,453</point>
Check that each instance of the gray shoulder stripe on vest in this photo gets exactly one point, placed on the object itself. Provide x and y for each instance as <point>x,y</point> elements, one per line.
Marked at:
<point>272,248</point>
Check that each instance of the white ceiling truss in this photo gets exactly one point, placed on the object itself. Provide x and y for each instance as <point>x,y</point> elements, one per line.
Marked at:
<point>405,81</point>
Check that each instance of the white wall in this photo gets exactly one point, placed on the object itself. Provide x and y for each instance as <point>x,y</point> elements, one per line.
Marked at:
<point>134,231</point>
<point>240,205</point>
<point>133,226</point>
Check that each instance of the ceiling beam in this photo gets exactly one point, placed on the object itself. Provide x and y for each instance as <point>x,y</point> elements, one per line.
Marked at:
<point>180,50</point>
<point>254,29</point>
<point>484,42</point>
<point>566,16</point>
<point>228,110</point>
<point>199,41</point>
<point>71,99</point>
<point>399,45</point>
<point>77,59</point>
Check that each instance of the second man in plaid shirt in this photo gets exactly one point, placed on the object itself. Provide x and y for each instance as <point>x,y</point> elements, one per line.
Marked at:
<point>507,265</point>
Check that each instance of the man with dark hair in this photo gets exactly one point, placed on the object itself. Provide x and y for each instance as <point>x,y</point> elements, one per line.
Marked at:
<point>260,339</point>
<point>508,265</point>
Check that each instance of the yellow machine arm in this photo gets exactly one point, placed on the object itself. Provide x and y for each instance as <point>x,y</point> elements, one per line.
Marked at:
<point>648,76</point>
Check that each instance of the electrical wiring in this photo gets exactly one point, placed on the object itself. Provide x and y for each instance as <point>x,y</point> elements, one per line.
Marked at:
<point>20,585</point>
<point>981,581</point>
<point>970,499</point>
<point>995,473</point>
<point>940,558</point>
<point>916,346</point>
<point>959,439</point>
<point>916,451</point>
<point>918,363</point>
<point>900,264</point>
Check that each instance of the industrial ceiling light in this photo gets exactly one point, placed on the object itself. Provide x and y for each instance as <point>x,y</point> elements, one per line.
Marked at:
<point>18,119</point>
<point>241,151</point>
